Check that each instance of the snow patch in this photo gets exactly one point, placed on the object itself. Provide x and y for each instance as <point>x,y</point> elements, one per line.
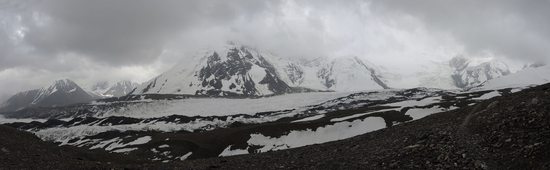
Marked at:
<point>228,152</point>
<point>184,157</point>
<point>310,118</point>
<point>124,150</point>
<point>337,131</point>
<point>487,95</point>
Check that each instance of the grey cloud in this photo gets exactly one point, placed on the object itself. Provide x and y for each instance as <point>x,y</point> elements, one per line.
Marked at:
<point>123,31</point>
<point>513,28</point>
<point>98,37</point>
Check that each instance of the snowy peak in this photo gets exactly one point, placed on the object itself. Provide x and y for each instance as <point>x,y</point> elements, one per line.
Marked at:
<point>107,89</point>
<point>232,71</point>
<point>468,73</point>
<point>100,87</point>
<point>237,70</point>
<point>526,77</point>
<point>338,74</point>
<point>61,92</point>
<point>121,88</point>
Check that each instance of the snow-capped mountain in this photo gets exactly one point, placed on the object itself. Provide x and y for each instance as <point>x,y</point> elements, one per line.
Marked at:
<point>231,71</point>
<point>458,73</point>
<point>244,71</point>
<point>61,92</point>
<point>470,73</point>
<point>107,89</point>
<point>526,77</point>
<point>338,74</point>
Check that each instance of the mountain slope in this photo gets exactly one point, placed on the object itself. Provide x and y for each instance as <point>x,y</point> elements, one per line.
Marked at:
<point>107,89</point>
<point>61,92</point>
<point>232,71</point>
<point>495,134</point>
<point>526,77</point>
<point>470,73</point>
<point>23,150</point>
<point>237,70</point>
<point>337,74</point>
<point>508,132</point>
<point>458,73</point>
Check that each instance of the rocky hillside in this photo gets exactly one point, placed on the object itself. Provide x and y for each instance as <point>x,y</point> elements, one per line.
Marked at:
<point>23,150</point>
<point>509,132</point>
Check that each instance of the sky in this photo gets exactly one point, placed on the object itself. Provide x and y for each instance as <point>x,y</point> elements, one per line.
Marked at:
<point>104,40</point>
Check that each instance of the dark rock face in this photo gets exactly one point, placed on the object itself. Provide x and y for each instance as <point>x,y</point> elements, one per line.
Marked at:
<point>325,74</point>
<point>62,92</point>
<point>295,73</point>
<point>373,73</point>
<point>239,63</point>
<point>467,75</point>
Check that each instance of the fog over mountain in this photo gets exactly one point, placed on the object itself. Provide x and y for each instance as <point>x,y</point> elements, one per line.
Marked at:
<point>136,40</point>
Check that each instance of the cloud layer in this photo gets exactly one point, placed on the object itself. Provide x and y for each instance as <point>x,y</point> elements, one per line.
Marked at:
<point>43,40</point>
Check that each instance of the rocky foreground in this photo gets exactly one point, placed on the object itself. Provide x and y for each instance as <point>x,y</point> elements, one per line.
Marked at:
<point>507,132</point>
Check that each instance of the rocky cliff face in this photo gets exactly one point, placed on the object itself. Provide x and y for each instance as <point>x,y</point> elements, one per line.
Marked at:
<point>233,71</point>
<point>468,74</point>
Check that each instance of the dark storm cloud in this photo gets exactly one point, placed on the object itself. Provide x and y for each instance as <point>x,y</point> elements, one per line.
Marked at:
<point>514,28</point>
<point>123,31</point>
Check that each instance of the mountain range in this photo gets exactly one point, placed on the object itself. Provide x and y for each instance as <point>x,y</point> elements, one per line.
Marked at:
<point>108,89</point>
<point>239,70</point>
<point>245,71</point>
<point>189,111</point>
<point>65,92</point>
<point>61,92</point>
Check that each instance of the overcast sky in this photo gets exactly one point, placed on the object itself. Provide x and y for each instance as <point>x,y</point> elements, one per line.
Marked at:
<point>107,40</point>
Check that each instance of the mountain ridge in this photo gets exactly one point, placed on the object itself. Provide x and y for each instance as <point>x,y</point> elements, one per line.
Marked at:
<point>245,71</point>
<point>61,92</point>
<point>105,89</point>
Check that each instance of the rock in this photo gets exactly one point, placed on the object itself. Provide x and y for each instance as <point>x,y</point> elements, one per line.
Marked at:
<point>534,101</point>
<point>413,146</point>
<point>492,105</point>
<point>480,164</point>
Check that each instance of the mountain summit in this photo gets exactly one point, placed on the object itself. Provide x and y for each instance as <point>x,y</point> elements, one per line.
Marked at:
<point>107,89</point>
<point>469,73</point>
<point>348,73</point>
<point>61,92</point>
<point>233,71</point>
<point>237,70</point>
